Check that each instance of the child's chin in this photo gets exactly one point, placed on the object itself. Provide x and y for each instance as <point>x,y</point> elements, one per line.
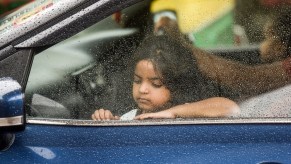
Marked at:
<point>149,110</point>
<point>146,109</point>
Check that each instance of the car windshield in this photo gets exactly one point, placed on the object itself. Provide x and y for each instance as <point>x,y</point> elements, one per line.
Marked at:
<point>170,59</point>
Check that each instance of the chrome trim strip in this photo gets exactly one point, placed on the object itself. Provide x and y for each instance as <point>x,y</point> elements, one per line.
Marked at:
<point>198,121</point>
<point>11,121</point>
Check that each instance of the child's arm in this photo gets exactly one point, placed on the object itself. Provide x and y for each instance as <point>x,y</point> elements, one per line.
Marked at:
<point>212,107</point>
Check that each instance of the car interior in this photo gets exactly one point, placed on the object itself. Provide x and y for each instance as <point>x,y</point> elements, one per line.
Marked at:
<point>88,71</point>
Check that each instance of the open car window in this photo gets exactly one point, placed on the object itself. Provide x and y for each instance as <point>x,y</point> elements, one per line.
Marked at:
<point>73,78</point>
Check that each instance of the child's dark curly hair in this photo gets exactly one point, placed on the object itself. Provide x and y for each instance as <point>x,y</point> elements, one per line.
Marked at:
<point>176,65</point>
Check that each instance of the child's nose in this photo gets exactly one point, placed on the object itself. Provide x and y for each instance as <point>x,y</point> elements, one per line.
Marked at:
<point>144,88</point>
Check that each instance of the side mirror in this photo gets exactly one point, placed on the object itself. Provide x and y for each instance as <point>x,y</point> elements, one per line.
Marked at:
<point>12,117</point>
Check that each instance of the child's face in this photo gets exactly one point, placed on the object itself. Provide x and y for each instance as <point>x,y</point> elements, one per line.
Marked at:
<point>149,92</point>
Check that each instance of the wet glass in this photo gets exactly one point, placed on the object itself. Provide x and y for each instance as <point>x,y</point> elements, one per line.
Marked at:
<point>231,41</point>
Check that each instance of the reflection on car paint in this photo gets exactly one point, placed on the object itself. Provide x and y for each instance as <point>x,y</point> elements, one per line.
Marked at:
<point>43,152</point>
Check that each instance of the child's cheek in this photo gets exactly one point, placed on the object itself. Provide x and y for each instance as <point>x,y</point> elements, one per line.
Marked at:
<point>134,92</point>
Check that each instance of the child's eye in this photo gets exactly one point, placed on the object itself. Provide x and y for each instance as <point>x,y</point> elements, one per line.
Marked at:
<point>157,85</point>
<point>137,81</point>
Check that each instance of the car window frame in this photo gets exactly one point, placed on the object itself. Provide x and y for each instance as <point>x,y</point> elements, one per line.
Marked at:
<point>35,43</point>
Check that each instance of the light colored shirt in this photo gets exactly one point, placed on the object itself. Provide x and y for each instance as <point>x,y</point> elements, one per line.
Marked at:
<point>276,103</point>
<point>129,115</point>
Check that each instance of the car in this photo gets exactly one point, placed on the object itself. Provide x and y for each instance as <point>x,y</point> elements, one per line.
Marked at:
<point>60,60</point>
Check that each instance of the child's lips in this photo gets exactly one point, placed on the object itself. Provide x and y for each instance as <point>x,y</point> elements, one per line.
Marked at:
<point>143,100</point>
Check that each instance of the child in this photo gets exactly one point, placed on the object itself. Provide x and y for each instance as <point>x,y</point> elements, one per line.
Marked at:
<point>167,84</point>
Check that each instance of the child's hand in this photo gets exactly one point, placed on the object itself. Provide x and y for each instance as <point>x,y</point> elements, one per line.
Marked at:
<point>161,114</point>
<point>102,115</point>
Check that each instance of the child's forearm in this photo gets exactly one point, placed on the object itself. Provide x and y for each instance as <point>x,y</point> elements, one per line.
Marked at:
<point>212,107</point>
